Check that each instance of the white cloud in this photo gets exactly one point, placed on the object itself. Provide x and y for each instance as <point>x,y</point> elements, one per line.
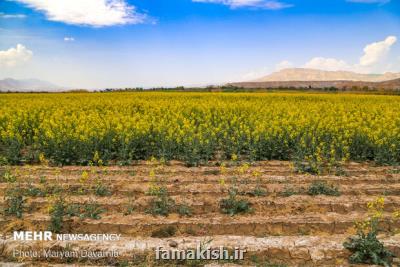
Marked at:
<point>69,39</point>
<point>373,59</point>
<point>96,13</point>
<point>15,56</point>
<point>12,16</point>
<point>263,4</point>
<point>370,1</point>
<point>375,52</point>
<point>284,65</point>
<point>331,64</point>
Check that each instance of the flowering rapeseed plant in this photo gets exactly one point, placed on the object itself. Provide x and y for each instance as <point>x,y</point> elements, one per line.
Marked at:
<point>320,129</point>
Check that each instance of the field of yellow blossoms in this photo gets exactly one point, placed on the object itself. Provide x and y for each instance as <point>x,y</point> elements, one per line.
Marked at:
<point>314,130</point>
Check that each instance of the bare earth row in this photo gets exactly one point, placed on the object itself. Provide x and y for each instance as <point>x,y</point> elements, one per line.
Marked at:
<point>294,250</point>
<point>284,224</point>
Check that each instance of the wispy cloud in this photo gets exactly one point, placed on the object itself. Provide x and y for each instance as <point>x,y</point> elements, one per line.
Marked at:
<point>95,13</point>
<point>262,4</point>
<point>69,39</point>
<point>12,16</point>
<point>331,64</point>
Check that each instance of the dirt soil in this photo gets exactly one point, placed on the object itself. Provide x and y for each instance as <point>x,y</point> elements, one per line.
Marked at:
<point>285,225</point>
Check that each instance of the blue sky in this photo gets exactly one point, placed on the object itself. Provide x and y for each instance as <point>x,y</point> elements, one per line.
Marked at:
<point>116,43</point>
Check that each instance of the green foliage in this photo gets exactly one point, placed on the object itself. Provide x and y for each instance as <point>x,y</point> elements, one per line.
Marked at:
<point>60,209</point>
<point>184,210</point>
<point>57,212</point>
<point>162,204</point>
<point>7,177</point>
<point>10,150</point>
<point>338,170</point>
<point>365,246</point>
<point>3,161</point>
<point>157,191</point>
<point>81,190</point>
<point>367,249</point>
<point>129,210</point>
<point>124,162</point>
<point>34,191</point>
<point>130,207</point>
<point>167,231</point>
<point>288,191</point>
<point>309,166</point>
<point>42,191</point>
<point>123,263</point>
<point>102,190</point>
<point>258,192</point>
<point>317,164</point>
<point>15,201</point>
<point>323,188</point>
<point>73,210</point>
<point>91,210</point>
<point>232,205</point>
<point>42,179</point>
<point>395,170</point>
<point>52,190</point>
<point>197,127</point>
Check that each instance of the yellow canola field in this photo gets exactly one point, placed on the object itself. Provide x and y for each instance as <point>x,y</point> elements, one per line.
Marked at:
<point>79,128</point>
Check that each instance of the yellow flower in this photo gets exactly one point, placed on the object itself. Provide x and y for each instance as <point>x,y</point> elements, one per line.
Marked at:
<point>42,159</point>
<point>84,177</point>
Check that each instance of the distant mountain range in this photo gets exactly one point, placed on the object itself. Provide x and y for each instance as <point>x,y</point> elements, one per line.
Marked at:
<point>287,78</point>
<point>312,78</point>
<point>392,85</point>
<point>28,85</point>
<point>301,74</point>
